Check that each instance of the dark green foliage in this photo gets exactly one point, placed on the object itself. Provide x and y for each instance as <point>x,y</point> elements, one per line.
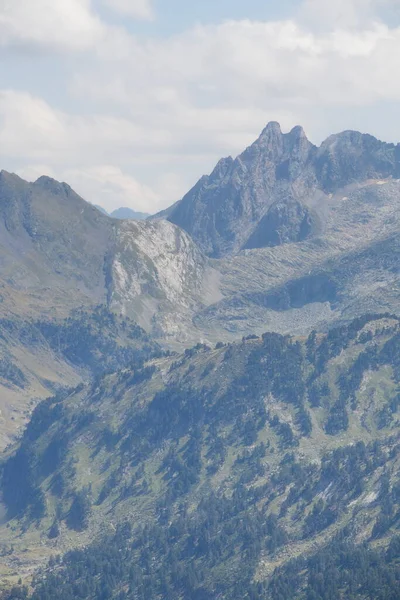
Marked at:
<point>217,500</point>
<point>92,340</point>
<point>15,593</point>
<point>20,491</point>
<point>321,517</point>
<point>303,421</point>
<point>318,392</point>
<point>350,382</point>
<point>285,433</point>
<point>44,415</point>
<point>11,374</point>
<point>341,570</point>
<point>79,513</point>
<point>338,419</point>
<point>54,531</point>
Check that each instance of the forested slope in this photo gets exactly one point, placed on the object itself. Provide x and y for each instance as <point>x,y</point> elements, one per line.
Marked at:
<point>219,473</point>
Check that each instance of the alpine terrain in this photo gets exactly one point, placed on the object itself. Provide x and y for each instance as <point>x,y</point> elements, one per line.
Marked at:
<point>205,404</point>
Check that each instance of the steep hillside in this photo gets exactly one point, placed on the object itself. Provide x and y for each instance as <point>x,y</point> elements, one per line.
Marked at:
<point>277,191</point>
<point>349,268</point>
<point>207,471</point>
<point>319,228</point>
<point>59,253</point>
<point>60,257</point>
<point>158,276</point>
<point>317,235</point>
<point>39,358</point>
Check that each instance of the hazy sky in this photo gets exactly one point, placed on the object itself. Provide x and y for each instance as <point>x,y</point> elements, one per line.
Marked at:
<point>131,101</point>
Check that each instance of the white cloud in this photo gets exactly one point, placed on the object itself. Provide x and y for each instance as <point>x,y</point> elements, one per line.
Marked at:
<point>109,187</point>
<point>140,9</point>
<point>151,115</point>
<point>104,185</point>
<point>49,24</point>
<point>354,14</point>
<point>217,72</point>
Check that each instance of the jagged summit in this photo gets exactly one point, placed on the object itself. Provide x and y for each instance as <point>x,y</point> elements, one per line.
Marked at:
<point>276,143</point>
<point>271,130</point>
<point>53,186</point>
<point>227,211</point>
<point>298,132</point>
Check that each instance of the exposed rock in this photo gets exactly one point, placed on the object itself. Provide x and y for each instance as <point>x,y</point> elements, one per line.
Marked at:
<point>286,221</point>
<point>232,208</point>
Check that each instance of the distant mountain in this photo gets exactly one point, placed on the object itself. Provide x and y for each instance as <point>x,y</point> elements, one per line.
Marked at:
<point>164,214</point>
<point>306,234</point>
<point>124,213</point>
<point>325,258</point>
<point>128,213</point>
<point>277,191</point>
<point>101,209</point>
<point>59,253</point>
<point>175,463</point>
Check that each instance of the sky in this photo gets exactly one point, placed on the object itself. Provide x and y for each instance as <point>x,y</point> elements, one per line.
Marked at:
<point>132,101</point>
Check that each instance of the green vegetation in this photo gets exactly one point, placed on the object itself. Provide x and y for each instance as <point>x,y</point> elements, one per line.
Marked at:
<point>240,475</point>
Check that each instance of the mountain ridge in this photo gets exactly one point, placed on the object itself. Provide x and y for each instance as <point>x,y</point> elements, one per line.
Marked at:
<point>259,458</point>
<point>297,435</point>
<point>224,210</point>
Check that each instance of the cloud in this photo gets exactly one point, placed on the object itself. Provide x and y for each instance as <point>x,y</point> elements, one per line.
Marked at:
<point>355,14</point>
<point>140,9</point>
<point>239,70</point>
<point>49,24</point>
<point>103,185</point>
<point>150,115</point>
<point>109,187</point>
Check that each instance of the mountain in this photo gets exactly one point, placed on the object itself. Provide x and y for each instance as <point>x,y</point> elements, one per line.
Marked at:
<point>128,213</point>
<point>164,214</point>
<point>124,213</point>
<point>101,209</point>
<point>178,453</point>
<point>303,234</point>
<point>330,237</point>
<point>59,253</point>
<point>40,358</point>
<point>60,258</point>
<point>277,191</point>
<point>217,473</point>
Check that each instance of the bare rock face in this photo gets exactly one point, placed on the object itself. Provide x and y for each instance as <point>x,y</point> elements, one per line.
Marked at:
<point>59,253</point>
<point>273,192</point>
<point>286,221</point>
<point>158,276</point>
<point>352,157</point>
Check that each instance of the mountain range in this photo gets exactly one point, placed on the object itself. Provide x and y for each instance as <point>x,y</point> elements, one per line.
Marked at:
<point>125,213</point>
<point>278,190</point>
<point>211,394</point>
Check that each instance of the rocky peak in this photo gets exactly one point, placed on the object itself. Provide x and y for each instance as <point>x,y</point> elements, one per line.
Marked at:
<point>53,186</point>
<point>351,157</point>
<point>278,147</point>
<point>299,144</point>
<point>271,131</point>
<point>222,168</point>
<point>10,181</point>
<point>224,210</point>
<point>297,133</point>
<point>270,142</point>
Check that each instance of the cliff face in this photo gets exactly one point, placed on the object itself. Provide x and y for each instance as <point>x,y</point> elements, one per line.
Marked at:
<point>59,253</point>
<point>271,193</point>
